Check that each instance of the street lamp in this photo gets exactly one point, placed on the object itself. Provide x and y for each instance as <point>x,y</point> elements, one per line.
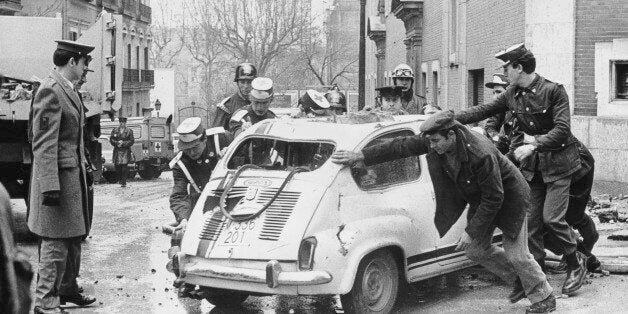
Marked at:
<point>157,106</point>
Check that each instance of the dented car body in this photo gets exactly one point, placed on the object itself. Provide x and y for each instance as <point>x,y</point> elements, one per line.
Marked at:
<point>278,217</point>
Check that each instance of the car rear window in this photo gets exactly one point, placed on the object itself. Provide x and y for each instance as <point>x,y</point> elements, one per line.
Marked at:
<point>275,154</point>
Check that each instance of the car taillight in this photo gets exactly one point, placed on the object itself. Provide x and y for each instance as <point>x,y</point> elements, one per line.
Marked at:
<point>306,253</point>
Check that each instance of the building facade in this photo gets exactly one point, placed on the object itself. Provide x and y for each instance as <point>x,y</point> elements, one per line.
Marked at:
<point>451,46</point>
<point>123,73</point>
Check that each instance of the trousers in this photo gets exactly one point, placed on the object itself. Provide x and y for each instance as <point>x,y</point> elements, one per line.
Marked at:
<point>59,263</point>
<point>549,202</point>
<point>122,171</point>
<point>512,261</point>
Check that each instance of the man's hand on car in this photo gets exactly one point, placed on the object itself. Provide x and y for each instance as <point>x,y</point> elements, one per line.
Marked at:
<point>345,157</point>
<point>182,225</point>
<point>464,242</point>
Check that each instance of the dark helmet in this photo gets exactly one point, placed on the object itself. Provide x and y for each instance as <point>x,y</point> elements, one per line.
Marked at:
<point>245,71</point>
<point>336,99</point>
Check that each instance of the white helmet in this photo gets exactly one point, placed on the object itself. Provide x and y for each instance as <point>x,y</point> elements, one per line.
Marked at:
<point>403,70</point>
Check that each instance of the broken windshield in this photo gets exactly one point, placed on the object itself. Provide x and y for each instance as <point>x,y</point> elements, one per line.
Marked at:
<point>275,154</point>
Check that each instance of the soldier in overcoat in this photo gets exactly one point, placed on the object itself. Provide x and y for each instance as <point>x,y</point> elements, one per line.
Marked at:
<point>122,139</point>
<point>467,169</point>
<point>58,192</point>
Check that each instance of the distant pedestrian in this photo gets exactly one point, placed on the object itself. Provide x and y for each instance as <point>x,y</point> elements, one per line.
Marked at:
<point>244,75</point>
<point>466,169</point>
<point>58,192</point>
<point>122,139</point>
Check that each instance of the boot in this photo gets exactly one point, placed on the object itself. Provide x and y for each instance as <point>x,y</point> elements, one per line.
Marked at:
<point>517,293</point>
<point>593,264</point>
<point>575,276</point>
<point>545,306</point>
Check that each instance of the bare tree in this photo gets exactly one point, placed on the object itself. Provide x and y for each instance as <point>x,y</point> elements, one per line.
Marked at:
<point>318,60</point>
<point>166,37</point>
<point>50,9</point>
<point>201,37</point>
<point>258,31</point>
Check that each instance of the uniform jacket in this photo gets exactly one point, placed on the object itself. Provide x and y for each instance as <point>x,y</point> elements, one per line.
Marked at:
<point>58,161</point>
<point>483,178</point>
<point>413,104</point>
<point>246,114</point>
<point>541,110</point>
<point>226,108</point>
<point>184,197</point>
<point>122,153</point>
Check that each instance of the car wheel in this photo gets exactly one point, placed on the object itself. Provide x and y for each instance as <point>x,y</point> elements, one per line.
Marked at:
<point>376,285</point>
<point>225,298</point>
<point>110,176</point>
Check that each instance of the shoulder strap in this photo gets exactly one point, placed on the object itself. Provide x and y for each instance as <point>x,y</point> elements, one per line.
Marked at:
<point>222,106</point>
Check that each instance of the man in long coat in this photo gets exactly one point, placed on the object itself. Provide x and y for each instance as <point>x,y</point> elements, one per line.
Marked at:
<point>122,139</point>
<point>58,192</point>
<point>466,168</point>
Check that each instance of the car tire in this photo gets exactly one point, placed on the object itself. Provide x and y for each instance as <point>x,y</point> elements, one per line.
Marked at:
<point>376,285</point>
<point>110,176</point>
<point>225,298</point>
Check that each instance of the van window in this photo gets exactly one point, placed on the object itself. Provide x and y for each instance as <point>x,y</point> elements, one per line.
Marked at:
<point>277,154</point>
<point>137,130</point>
<point>157,132</point>
<point>387,173</point>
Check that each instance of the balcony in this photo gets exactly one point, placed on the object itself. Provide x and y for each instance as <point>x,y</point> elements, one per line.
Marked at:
<point>145,13</point>
<point>148,78</point>
<point>10,7</point>
<point>129,8</point>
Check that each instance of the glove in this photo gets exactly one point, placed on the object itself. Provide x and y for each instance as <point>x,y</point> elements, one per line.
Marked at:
<point>51,198</point>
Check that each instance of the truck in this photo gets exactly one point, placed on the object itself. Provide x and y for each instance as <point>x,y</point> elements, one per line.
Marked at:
<point>152,150</point>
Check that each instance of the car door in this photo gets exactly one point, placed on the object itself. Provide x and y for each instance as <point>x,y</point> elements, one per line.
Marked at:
<point>402,184</point>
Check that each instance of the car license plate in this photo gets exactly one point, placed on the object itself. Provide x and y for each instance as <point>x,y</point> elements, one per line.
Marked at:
<point>237,233</point>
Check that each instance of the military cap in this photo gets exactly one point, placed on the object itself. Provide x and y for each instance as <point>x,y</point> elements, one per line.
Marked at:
<point>314,100</point>
<point>261,89</point>
<point>498,80</point>
<point>513,53</point>
<point>390,91</point>
<point>190,130</point>
<point>74,47</point>
<point>441,120</point>
<point>122,119</point>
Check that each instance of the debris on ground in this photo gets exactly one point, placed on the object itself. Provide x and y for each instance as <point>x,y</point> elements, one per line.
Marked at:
<point>608,208</point>
<point>621,235</point>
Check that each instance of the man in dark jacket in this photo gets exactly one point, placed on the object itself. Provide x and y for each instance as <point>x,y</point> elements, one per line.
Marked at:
<point>548,158</point>
<point>58,192</point>
<point>244,75</point>
<point>122,139</point>
<point>466,168</point>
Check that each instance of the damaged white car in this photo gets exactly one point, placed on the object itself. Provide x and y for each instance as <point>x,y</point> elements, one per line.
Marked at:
<point>278,217</point>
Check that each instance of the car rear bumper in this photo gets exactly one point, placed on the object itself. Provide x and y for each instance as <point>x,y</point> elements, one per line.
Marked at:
<point>273,275</point>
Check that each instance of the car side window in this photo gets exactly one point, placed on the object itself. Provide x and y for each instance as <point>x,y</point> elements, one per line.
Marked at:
<point>390,172</point>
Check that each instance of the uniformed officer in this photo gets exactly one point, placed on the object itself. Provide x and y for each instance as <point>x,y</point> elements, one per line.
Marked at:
<point>261,96</point>
<point>466,169</point>
<point>199,151</point>
<point>412,103</point>
<point>313,104</point>
<point>389,99</point>
<point>122,139</point>
<point>337,101</point>
<point>549,157</point>
<point>58,192</point>
<point>244,75</point>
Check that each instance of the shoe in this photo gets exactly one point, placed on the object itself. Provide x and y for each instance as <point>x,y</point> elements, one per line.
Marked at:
<point>123,185</point>
<point>545,306</point>
<point>78,299</point>
<point>185,290</point>
<point>575,277</point>
<point>593,264</point>
<point>41,310</point>
<point>517,293</point>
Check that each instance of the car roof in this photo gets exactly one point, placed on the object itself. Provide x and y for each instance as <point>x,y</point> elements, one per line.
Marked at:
<point>346,134</point>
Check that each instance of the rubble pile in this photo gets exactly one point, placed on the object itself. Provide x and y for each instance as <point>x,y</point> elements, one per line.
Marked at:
<point>609,208</point>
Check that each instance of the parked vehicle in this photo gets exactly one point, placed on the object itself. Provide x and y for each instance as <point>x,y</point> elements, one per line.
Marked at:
<point>279,218</point>
<point>152,150</point>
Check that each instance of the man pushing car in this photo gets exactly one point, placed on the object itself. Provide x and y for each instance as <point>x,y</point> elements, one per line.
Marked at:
<point>466,168</point>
